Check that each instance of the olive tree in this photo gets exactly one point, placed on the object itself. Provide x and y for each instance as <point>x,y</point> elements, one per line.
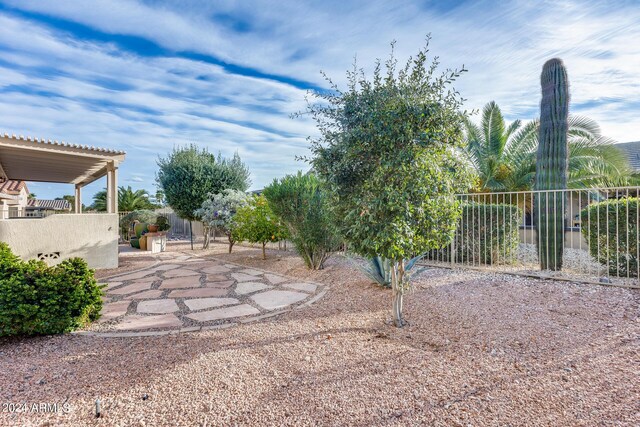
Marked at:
<point>389,150</point>
<point>218,211</point>
<point>256,223</point>
<point>189,174</point>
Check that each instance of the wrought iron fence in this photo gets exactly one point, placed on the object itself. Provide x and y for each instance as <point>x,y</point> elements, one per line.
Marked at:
<point>587,235</point>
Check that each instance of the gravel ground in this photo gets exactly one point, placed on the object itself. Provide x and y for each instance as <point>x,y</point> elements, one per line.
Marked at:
<point>129,261</point>
<point>578,265</point>
<point>480,350</point>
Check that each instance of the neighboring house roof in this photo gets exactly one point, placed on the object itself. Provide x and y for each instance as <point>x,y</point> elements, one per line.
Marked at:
<point>56,205</point>
<point>13,187</point>
<point>632,150</point>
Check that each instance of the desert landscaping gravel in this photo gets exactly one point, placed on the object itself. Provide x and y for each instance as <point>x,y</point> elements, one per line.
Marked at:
<point>479,350</point>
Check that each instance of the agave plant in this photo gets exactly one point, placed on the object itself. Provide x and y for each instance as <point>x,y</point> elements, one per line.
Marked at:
<point>378,269</point>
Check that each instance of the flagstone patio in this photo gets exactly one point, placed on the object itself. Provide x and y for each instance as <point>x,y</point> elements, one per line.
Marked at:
<point>188,293</point>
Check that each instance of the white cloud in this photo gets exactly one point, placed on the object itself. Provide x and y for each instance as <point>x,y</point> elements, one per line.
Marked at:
<point>96,93</point>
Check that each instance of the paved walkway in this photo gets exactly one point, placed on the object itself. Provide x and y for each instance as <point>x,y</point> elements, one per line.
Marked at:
<point>184,293</point>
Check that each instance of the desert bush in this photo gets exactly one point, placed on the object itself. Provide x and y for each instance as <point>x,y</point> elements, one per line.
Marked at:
<point>611,231</point>
<point>488,233</point>
<point>303,208</point>
<point>38,299</point>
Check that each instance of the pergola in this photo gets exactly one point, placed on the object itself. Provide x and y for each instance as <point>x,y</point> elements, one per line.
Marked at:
<point>39,160</point>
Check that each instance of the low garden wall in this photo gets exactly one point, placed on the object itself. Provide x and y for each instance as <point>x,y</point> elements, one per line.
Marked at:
<point>92,237</point>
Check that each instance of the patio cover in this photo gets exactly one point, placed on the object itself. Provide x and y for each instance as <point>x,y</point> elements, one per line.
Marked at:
<point>33,159</point>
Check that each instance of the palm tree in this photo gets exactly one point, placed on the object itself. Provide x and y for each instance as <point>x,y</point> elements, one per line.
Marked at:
<point>128,200</point>
<point>505,156</point>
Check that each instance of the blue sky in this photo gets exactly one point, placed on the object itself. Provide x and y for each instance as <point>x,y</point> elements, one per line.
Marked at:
<point>145,76</point>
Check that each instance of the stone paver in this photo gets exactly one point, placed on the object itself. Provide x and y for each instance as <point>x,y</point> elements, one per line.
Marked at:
<point>224,313</point>
<point>251,272</point>
<point>165,267</point>
<point>199,293</point>
<point>149,322</point>
<point>199,265</point>
<point>158,306</point>
<point>134,276</point>
<point>242,277</point>
<point>216,278</point>
<point>129,289</point>
<point>180,272</point>
<point>221,285</point>
<point>114,309</point>
<point>244,288</point>
<point>181,282</point>
<point>184,293</point>
<point>153,293</point>
<point>202,303</point>
<point>304,287</point>
<point>112,285</point>
<point>215,269</point>
<point>272,300</point>
<point>275,279</point>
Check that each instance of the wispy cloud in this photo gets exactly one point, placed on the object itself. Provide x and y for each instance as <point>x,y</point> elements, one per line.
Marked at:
<point>145,77</point>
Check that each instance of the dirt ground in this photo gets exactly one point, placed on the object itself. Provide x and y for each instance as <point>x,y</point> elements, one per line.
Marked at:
<point>479,350</point>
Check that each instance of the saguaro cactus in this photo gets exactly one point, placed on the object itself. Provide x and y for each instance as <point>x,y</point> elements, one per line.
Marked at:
<point>552,164</point>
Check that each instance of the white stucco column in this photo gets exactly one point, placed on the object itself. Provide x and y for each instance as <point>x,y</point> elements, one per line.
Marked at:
<point>4,210</point>
<point>112,188</point>
<point>78,199</point>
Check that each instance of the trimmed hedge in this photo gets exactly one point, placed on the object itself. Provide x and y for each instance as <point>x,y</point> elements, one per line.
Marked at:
<point>611,231</point>
<point>38,299</point>
<point>489,233</point>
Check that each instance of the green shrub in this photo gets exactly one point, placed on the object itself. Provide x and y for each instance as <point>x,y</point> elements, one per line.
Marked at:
<point>163,223</point>
<point>256,223</point>
<point>611,231</point>
<point>142,215</point>
<point>38,299</point>
<point>303,208</point>
<point>489,233</point>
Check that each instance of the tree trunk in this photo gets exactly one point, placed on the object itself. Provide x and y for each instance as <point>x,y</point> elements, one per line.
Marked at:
<point>191,234</point>
<point>397,286</point>
<point>207,231</point>
<point>231,242</point>
<point>264,255</point>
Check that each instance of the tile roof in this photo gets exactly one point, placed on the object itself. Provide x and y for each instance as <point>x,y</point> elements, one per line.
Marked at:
<point>56,205</point>
<point>12,186</point>
<point>61,144</point>
<point>632,150</point>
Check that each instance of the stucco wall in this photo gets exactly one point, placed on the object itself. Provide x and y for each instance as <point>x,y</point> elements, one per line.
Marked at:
<point>93,237</point>
<point>573,238</point>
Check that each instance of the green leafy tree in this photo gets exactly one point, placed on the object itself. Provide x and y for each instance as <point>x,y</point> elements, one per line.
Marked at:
<point>304,209</point>
<point>388,152</point>
<point>504,156</point>
<point>256,223</point>
<point>128,200</point>
<point>189,174</point>
<point>219,210</point>
<point>159,198</point>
